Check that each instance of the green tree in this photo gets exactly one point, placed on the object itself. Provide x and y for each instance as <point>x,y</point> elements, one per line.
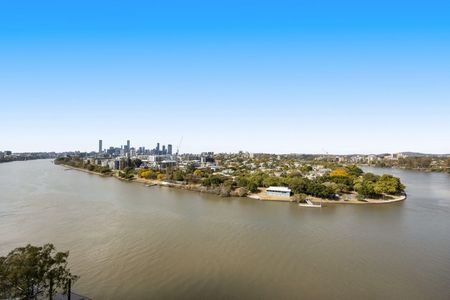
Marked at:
<point>213,180</point>
<point>306,168</point>
<point>105,170</point>
<point>178,175</point>
<point>190,169</point>
<point>242,181</point>
<point>354,170</point>
<point>136,163</point>
<point>370,177</point>
<point>300,197</point>
<point>345,183</point>
<point>272,181</point>
<point>31,272</point>
<point>320,190</point>
<point>299,185</point>
<point>199,173</point>
<point>206,182</point>
<point>216,180</point>
<point>366,189</point>
<point>252,186</point>
<point>388,184</point>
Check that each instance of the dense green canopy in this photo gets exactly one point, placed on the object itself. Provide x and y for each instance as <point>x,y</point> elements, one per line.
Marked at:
<point>30,272</point>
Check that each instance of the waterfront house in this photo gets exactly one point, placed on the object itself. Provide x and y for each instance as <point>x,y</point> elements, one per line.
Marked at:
<point>278,191</point>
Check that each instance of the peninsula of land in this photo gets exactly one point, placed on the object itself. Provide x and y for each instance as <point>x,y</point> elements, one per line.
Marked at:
<point>263,177</point>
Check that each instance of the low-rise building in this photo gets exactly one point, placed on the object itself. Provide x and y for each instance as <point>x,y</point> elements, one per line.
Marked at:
<point>167,164</point>
<point>281,191</point>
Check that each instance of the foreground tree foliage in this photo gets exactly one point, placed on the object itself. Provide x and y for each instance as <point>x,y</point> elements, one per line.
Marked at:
<point>34,272</point>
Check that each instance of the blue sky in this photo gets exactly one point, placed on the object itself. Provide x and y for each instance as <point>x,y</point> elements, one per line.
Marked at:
<point>259,76</point>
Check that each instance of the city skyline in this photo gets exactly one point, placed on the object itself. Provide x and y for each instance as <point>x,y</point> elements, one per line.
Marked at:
<point>128,148</point>
<point>274,77</point>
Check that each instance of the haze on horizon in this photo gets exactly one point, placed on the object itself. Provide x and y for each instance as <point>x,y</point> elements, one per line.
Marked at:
<point>260,76</point>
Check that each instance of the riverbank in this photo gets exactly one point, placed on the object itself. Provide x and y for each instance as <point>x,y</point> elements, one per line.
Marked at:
<point>86,171</point>
<point>260,195</point>
<point>150,182</point>
<point>393,199</point>
<point>423,170</point>
<point>346,199</point>
<point>21,159</point>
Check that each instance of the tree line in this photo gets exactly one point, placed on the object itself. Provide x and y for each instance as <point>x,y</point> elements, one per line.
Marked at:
<point>340,180</point>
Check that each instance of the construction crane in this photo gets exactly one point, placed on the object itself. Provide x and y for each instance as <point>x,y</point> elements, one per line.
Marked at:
<point>179,145</point>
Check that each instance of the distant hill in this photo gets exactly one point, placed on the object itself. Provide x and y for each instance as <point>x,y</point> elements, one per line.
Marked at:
<point>418,154</point>
<point>414,154</point>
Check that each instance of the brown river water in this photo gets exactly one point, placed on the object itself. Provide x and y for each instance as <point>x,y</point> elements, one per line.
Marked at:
<point>129,241</point>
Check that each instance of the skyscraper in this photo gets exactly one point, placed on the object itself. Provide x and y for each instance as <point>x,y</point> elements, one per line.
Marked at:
<point>100,146</point>
<point>157,148</point>
<point>169,149</point>
<point>128,146</point>
<point>164,149</point>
